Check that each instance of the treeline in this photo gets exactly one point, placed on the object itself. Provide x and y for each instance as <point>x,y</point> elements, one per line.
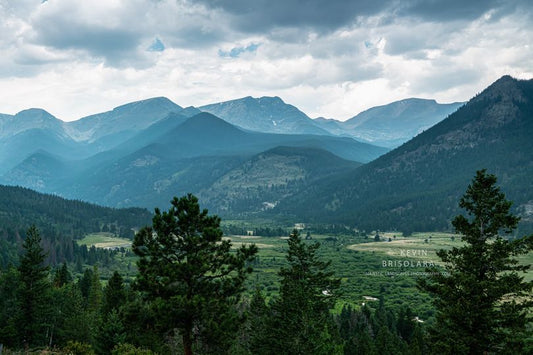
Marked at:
<point>23,207</point>
<point>61,222</point>
<point>59,249</point>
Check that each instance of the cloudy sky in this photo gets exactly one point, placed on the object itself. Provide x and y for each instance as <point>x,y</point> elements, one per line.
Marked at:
<point>331,58</point>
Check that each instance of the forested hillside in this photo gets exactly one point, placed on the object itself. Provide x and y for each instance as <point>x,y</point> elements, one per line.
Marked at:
<point>416,187</point>
<point>60,221</point>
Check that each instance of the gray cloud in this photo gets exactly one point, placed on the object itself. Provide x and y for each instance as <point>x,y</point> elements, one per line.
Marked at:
<point>321,15</point>
<point>98,41</point>
<point>454,10</point>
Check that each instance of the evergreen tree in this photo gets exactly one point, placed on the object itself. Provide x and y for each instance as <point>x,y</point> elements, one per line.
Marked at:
<point>62,276</point>
<point>482,301</point>
<point>73,323</point>
<point>114,294</point>
<point>110,333</point>
<point>301,322</point>
<point>34,291</point>
<point>191,274</point>
<point>9,306</point>
<point>84,284</point>
<point>257,329</point>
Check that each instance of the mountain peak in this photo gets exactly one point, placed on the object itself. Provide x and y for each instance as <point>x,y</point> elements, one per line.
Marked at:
<point>265,114</point>
<point>505,88</point>
<point>148,104</point>
<point>35,113</point>
<point>206,118</point>
<point>271,100</point>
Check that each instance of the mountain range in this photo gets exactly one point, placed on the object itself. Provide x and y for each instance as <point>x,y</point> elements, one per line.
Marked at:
<point>262,157</point>
<point>142,154</point>
<point>388,125</point>
<point>418,185</point>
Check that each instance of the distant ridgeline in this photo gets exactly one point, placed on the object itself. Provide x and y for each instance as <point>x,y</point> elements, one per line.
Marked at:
<point>60,222</point>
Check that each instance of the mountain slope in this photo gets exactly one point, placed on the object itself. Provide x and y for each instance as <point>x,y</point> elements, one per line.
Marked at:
<point>265,179</point>
<point>418,184</point>
<point>265,114</point>
<point>128,118</point>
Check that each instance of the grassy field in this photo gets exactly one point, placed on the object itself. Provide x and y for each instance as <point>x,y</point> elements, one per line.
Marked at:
<point>420,246</point>
<point>104,240</point>
<point>368,269</point>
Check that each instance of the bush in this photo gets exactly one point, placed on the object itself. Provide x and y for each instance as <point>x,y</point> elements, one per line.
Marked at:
<point>128,349</point>
<point>77,348</point>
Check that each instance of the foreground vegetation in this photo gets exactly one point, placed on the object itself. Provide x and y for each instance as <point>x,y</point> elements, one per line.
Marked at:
<point>348,292</point>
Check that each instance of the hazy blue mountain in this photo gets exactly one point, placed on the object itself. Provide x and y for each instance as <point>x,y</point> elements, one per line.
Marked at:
<point>173,156</point>
<point>332,125</point>
<point>418,185</point>
<point>4,119</point>
<point>126,119</point>
<point>30,131</point>
<point>29,119</point>
<point>41,171</point>
<point>392,124</point>
<point>190,111</point>
<point>265,114</point>
<point>34,130</point>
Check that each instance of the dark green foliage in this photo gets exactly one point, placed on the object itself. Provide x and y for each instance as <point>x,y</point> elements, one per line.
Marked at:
<point>110,333</point>
<point>59,222</point>
<point>62,276</point>
<point>71,322</point>
<point>9,306</point>
<point>128,349</point>
<point>482,301</point>
<point>141,323</point>
<point>191,275</point>
<point>369,331</point>
<point>114,294</point>
<point>300,322</point>
<point>34,291</point>
<point>257,330</point>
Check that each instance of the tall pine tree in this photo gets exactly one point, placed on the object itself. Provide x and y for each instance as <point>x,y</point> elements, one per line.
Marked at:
<point>482,300</point>
<point>301,322</point>
<point>192,275</point>
<point>34,291</point>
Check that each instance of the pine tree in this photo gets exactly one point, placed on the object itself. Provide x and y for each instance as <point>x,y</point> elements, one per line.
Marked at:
<point>481,299</point>
<point>9,306</point>
<point>62,276</point>
<point>114,294</point>
<point>34,291</point>
<point>301,322</point>
<point>192,274</point>
<point>257,318</point>
<point>111,333</point>
<point>73,322</point>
